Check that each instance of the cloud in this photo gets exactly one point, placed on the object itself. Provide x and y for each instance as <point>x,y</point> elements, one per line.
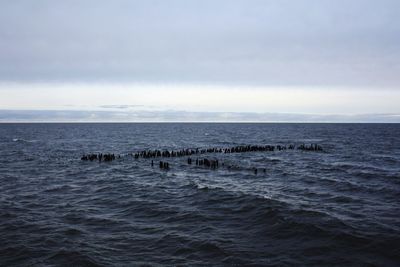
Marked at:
<point>183,116</point>
<point>123,97</point>
<point>120,106</point>
<point>263,42</point>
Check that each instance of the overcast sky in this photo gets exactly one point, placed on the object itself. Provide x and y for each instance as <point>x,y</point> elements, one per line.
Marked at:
<point>238,49</point>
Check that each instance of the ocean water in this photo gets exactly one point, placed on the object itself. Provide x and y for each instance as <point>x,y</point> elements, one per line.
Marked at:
<point>338,207</point>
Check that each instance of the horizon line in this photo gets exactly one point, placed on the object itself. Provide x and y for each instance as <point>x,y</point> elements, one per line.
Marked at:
<point>216,122</point>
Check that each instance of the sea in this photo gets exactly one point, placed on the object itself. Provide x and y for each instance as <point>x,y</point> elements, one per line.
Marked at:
<point>335,207</point>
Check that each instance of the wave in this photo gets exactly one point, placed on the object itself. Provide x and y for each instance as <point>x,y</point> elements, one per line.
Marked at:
<point>266,220</point>
<point>24,141</point>
<point>71,258</point>
<point>203,186</point>
<point>336,208</point>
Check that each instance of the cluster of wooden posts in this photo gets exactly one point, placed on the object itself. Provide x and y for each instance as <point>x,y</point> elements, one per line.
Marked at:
<point>201,160</point>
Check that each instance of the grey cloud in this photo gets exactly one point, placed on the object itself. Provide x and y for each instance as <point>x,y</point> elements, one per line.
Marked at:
<point>184,116</point>
<point>120,106</point>
<point>280,42</point>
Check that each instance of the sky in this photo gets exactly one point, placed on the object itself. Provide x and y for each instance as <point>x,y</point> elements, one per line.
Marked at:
<point>200,60</point>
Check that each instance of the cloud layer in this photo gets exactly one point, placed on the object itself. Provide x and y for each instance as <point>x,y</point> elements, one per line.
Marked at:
<point>264,42</point>
<point>96,96</point>
<point>183,116</point>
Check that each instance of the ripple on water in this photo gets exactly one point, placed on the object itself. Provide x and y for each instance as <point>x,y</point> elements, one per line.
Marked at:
<point>334,208</point>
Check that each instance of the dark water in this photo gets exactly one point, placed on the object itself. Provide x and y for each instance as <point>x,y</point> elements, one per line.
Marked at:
<point>339,207</point>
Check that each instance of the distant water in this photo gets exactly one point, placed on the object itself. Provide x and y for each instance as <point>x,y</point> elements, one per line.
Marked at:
<point>338,207</point>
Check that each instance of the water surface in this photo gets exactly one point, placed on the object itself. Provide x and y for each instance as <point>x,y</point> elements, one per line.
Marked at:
<point>338,207</point>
